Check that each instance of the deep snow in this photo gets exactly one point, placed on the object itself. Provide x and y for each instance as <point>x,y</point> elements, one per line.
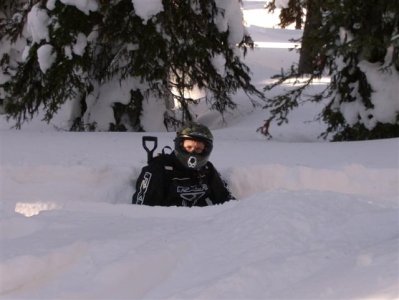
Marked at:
<point>313,220</point>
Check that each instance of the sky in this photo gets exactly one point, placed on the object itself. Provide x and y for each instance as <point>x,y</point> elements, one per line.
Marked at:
<point>312,219</point>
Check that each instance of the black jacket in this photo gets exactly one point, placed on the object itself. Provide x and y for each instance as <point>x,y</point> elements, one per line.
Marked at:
<point>165,182</point>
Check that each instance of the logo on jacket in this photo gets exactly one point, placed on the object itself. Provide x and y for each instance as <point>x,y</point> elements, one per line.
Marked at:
<point>192,162</point>
<point>143,187</point>
<point>191,194</point>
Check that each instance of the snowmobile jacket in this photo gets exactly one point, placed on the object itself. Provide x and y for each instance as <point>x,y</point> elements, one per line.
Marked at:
<point>166,182</point>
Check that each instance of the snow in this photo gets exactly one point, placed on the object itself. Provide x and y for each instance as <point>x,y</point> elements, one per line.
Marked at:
<point>80,45</point>
<point>281,3</point>
<point>386,90</point>
<point>86,6</point>
<point>313,219</point>
<point>46,57</point>
<point>230,19</point>
<point>37,24</point>
<point>146,9</point>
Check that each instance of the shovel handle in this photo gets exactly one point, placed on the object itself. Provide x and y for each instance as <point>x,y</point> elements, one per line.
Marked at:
<point>150,151</point>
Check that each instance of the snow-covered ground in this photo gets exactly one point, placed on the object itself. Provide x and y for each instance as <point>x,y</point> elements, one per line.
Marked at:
<point>313,220</point>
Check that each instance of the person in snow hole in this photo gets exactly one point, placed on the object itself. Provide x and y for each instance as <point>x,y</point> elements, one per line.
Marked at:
<point>184,177</point>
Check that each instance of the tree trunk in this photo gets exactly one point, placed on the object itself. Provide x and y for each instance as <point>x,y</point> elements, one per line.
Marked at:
<point>309,60</point>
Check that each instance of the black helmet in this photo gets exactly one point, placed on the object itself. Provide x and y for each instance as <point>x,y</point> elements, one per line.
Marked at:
<point>194,131</point>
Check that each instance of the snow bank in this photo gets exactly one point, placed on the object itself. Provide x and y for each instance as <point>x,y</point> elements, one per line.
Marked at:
<point>278,244</point>
<point>353,179</point>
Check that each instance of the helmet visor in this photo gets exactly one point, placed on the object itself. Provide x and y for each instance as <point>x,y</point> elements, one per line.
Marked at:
<point>195,146</point>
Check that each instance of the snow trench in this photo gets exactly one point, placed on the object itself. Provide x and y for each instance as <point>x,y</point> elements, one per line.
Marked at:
<point>351,179</point>
<point>48,187</point>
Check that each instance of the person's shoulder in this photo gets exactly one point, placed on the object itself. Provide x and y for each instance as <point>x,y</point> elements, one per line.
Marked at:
<point>162,160</point>
<point>210,166</point>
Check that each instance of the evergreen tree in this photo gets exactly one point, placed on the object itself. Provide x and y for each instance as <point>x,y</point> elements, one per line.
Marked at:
<point>34,85</point>
<point>358,42</point>
<point>309,60</point>
<point>12,16</point>
<point>292,13</point>
<point>162,57</point>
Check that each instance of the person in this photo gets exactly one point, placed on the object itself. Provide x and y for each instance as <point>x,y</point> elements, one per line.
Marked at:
<point>184,177</point>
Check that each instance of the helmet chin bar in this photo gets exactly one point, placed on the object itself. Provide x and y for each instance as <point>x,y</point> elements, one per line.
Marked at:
<point>191,161</point>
